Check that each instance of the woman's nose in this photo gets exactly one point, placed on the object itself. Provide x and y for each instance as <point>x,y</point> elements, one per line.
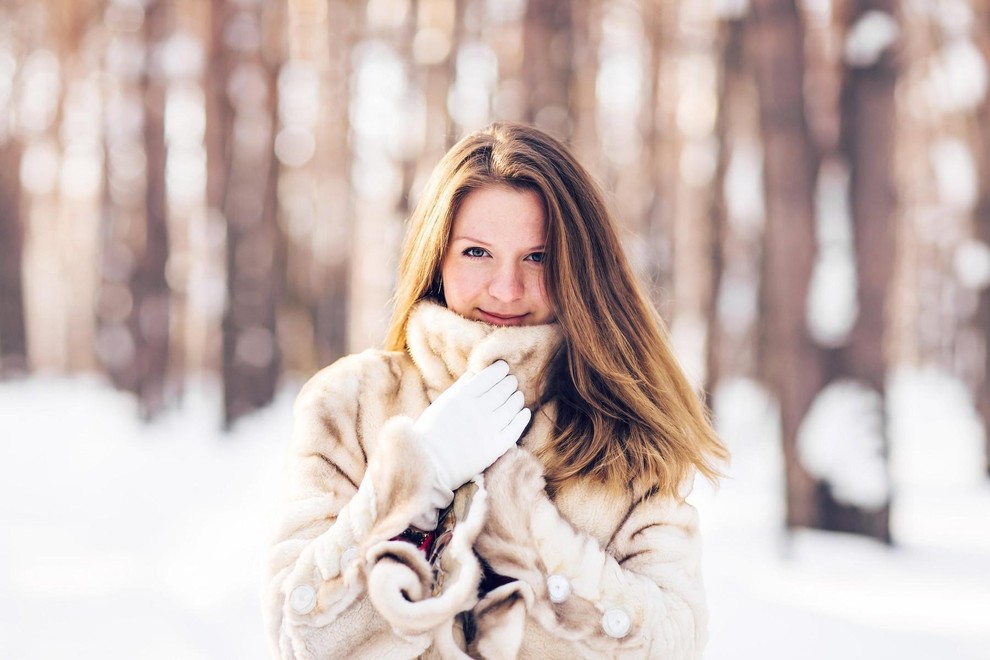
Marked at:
<point>507,283</point>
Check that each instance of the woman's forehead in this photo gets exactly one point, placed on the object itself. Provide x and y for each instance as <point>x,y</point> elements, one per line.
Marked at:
<point>501,213</point>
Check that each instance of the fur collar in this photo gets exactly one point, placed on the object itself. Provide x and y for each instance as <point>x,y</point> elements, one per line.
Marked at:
<point>445,345</point>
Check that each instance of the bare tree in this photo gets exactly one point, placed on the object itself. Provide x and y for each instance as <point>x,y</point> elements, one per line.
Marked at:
<point>13,337</point>
<point>731,80</point>
<point>219,112</point>
<point>867,141</point>
<point>150,322</point>
<point>585,38</point>
<point>123,201</point>
<point>133,299</point>
<point>982,219</point>
<point>331,308</point>
<point>241,119</point>
<point>661,142</point>
<point>547,65</point>
<point>13,332</point>
<point>792,360</point>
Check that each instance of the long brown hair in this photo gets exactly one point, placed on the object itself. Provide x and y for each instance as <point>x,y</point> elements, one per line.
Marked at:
<point>626,413</point>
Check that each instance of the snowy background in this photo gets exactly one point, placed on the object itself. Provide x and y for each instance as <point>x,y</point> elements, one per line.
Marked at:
<point>120,540</point>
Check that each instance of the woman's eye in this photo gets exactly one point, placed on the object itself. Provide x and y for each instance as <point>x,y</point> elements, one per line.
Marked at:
<point>474,252</point>
<point>536,257</point>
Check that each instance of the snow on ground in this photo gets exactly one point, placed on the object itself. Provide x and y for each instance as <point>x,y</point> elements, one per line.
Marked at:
<point>121,540</point>
<point>818,595</point>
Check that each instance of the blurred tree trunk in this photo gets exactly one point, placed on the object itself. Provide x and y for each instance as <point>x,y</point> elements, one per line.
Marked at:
<point>76,24</point>
<point>150,321</point>
<point>124,202</point>
<point>13,214</point>
<point>436,70</point>
<point>730,43</point>
<point>983,308</point>
<point>661,141</point>
<point>867,140</point>
<point>316,214</point>
<point>982,220</point>
<point>219,112</point>
<point>547,66</point>
<point>331,309</point>
<point>586,31</point>
<point>13,336</point>
<point>918,287</point>
<point>242,176</point>
<point>694,77</point>
<point>793,361</point>
<point>407,155</point>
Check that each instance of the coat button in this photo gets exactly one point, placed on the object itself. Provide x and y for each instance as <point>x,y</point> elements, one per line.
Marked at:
<point>559,588</point>
<point>303,599</point>
<point>615,622</point>
<point>347,557</point>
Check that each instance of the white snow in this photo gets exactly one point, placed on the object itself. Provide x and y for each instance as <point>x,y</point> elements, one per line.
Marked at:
<point>873,33</point>
<point>127,541</point>
<point>121,540</point>
<point>469,102</point>
<point>688,334</point>
<point>955,173</point>
<point>971,263</point>
<point>957,77</point>
<point>743,188</point>
<point>841,442</point>
<point>832,305</point>
<point>731,9</point>
<point>182,56</point>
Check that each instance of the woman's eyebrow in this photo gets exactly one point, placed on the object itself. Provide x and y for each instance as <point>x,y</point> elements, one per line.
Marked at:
<point>471,239</point>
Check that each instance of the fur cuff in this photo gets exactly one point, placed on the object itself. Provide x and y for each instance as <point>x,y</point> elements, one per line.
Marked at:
<point>401,582</point>
<point>402,476</point>
<point>503,612</point>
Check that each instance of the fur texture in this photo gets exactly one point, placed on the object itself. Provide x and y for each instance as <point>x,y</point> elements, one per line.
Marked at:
<point>358,475</point>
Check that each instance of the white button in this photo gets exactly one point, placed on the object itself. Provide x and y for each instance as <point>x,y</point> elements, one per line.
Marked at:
<point>345,559</point>
<point>559,588</point>
<point>303,599</point>
<point>615,622</point>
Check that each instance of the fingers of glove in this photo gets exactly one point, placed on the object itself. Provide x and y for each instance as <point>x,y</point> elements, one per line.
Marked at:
<point>486,378</point>
<point>499,393</point>
<point>510,434</point>
<point>504,414</point>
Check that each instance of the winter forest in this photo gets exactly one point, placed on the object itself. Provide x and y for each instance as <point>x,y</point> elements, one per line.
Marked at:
<point>202,202</point>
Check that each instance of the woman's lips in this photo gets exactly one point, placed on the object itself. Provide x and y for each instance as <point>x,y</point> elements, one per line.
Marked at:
<point>501,319</point>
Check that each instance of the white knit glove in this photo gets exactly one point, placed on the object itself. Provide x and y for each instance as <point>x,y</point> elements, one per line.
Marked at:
<point>467,428</point>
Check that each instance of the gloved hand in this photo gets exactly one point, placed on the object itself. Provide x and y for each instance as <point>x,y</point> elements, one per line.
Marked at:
<point>467,428</point>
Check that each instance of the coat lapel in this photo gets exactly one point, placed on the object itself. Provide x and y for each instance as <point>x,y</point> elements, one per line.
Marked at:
<point>445,345</point>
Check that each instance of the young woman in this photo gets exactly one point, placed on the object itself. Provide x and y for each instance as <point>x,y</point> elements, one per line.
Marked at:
<point>507,478</point>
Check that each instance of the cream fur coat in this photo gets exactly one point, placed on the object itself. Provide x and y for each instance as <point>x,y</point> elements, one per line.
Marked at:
<point>596,574</point>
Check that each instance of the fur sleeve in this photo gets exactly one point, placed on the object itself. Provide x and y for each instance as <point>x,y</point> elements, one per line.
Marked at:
<point>338,585</point>
<point>641,596</point>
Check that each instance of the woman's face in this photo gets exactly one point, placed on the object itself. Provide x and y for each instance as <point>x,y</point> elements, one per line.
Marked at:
<point>493,269</point>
